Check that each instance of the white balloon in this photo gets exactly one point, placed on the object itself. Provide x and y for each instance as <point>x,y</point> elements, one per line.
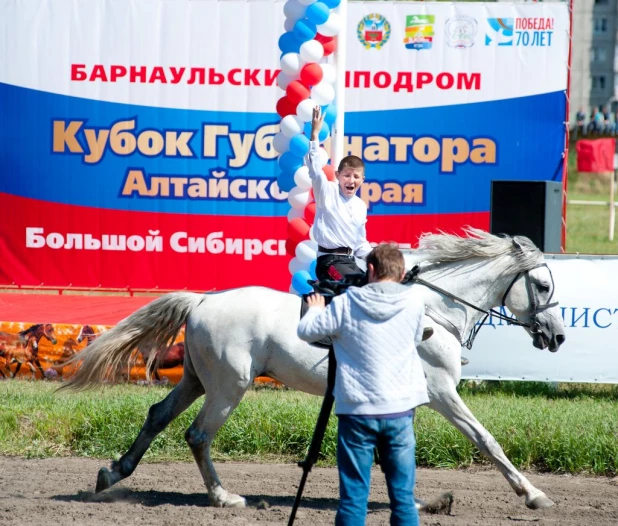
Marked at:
<point>294,213</point>
<point>281,143</point>
<point>306,252</point>
<point>298,198</point>
<point>304,110</point>
<point>291,64</point>
<point>291,125</point>
<point>302,179</point>
<point>311,51</point>
<point>307,2</point>
<point>311,236</point>
<point>329,73</point>
<point>296,264</point>
<point>288,25</point>
<point>323,155</point>
<point>323,93</point>
<point>331,27</point>
<point>283,80</point>
<point>294,10</point>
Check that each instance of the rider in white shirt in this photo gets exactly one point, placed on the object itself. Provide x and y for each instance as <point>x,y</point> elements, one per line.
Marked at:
<point>340,217</point>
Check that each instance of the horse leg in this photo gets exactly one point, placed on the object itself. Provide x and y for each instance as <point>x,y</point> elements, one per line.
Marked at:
<point>451,406</point>
<point>32,370</point>
<point>14,374</point>
<point>159,416</point>
<point>38,364</point>
<point>441,357</point>
<point>219,404</point>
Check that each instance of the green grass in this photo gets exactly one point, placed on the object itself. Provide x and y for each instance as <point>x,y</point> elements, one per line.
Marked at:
<point>572,429</point>
<point>588,226</point>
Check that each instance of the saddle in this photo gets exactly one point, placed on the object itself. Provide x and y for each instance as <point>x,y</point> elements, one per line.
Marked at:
<point>329,288</point>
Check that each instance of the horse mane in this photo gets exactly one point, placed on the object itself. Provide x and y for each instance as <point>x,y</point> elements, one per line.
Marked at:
<point>443,247</point>
<point>29,329</point>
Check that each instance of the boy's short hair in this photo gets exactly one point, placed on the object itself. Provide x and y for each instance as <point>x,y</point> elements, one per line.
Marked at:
<point>351,161</point>
<point>387,261</point>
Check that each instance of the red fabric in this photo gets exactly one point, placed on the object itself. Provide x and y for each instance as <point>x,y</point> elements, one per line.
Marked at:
<point>54,308</point>
<point>596,155</point>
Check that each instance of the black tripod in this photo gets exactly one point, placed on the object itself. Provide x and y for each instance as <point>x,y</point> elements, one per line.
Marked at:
<point>329,289</point>
<point>318,434</point>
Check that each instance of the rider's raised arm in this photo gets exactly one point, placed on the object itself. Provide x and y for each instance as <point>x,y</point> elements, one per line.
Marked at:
<point>318,178</point>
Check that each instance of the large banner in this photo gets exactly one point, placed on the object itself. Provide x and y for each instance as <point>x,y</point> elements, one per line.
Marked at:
<point>136,138</point>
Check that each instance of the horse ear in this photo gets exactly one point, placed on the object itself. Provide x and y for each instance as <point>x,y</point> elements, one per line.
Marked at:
<point>517,245</point>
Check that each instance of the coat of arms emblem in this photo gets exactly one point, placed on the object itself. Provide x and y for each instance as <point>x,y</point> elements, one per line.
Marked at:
<point>460,31</point>
<point>373,31</point>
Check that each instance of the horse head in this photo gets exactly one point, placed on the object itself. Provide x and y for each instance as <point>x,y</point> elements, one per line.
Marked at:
<point>529,297</point>
<point>47,330</point>
<point>481,272</point>
<point>86,332</point>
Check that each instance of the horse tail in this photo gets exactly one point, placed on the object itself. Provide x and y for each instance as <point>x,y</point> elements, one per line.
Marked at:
<point>151,326</point>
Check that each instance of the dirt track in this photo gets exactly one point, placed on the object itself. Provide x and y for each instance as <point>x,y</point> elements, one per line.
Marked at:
<point>60,491</point>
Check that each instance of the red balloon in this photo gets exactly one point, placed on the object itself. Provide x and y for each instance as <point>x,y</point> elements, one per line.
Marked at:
<point>330,172</point>
<point>297,92</point>
<point>290,247</point>
<point>311,74</point>
<point>286,107</point>
<point>298,230</point>
<point>328,43</point>
<point>310,213</point>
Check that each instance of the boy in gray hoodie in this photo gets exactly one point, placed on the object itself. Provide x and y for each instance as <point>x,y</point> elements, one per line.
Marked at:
<point>379,381</point>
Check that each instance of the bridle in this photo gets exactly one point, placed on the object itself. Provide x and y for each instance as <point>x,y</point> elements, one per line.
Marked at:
<point>535,309</point>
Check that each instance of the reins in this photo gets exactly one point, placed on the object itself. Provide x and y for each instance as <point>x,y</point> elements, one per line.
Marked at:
<point>533,326</point>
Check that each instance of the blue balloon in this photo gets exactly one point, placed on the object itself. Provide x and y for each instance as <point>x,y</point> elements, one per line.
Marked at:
<point>299,282</point>
<point>317,13</point>
<point>332,4</point>
<point>330,114</point>
<point>299,145</point>
<point>314,263</point>
<point>285,182</point>
<point>289,163</point>
<point>324,131</point>
<point>288,43</point>
<point>304,30</point>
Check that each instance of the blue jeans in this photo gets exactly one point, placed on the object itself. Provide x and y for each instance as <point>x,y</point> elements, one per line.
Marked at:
<point>396,445</point>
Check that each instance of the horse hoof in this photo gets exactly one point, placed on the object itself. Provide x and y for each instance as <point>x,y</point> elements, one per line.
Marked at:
<point>540,502</point>
<point>104,480</point>
<point>235,501</point>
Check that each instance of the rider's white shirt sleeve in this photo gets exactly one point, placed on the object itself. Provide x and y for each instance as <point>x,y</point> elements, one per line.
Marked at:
<point>318,323</point>
<point>319,181</point>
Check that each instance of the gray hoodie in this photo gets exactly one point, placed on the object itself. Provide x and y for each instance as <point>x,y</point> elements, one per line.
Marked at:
<point>375,331</point>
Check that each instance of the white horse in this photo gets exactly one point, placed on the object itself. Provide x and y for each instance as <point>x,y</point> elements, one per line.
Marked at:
<point>236,335</point>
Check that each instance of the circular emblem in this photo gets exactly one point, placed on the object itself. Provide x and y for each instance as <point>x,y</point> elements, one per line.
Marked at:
<point>373,31</point>
<point>460,31</point>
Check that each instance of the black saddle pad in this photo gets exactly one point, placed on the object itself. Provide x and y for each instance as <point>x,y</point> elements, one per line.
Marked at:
<point>326,342</point>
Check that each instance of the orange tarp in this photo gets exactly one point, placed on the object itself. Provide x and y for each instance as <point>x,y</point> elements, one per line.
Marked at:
<point>19,342</point>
